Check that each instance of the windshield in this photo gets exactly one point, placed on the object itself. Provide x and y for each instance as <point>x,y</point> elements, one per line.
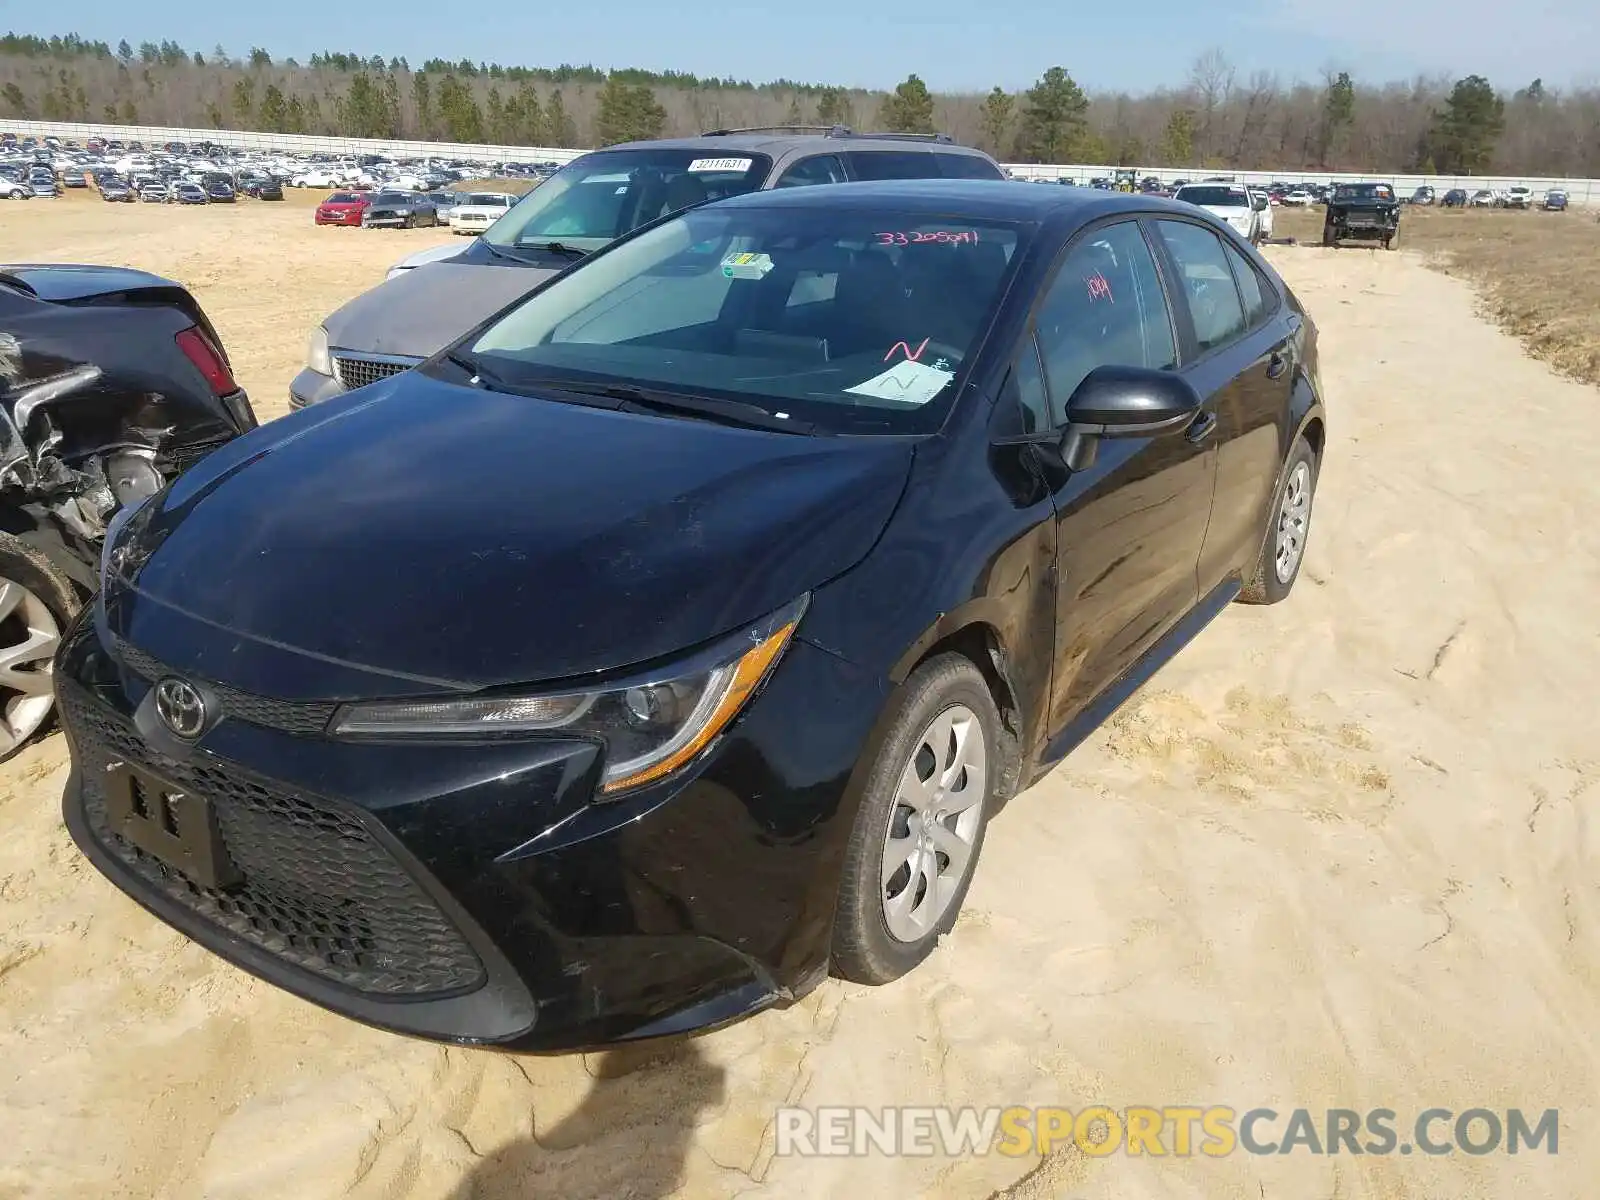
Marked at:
<point>847,319</point>
<point>344,198</point>
<point>391,198</point>
<point>602,196</point>
<point>1363,191</point>
<point>1215,197</point>
<point>487,199</point>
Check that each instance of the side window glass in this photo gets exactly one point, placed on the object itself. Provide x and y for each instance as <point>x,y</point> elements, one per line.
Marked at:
<point>1207,282</point>
<point>893,164</point>
<point>967,166</point>
<point>1105,308</point>
<point>1255,300</point>
<point>824,168</point>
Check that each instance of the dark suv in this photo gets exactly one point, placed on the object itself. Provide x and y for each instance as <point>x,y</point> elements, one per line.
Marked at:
<point>591,201</point>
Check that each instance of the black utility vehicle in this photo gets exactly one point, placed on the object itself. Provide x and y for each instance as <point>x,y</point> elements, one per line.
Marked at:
<point>668,640</point>
<point>111,383</point>
<point>1362,212</point>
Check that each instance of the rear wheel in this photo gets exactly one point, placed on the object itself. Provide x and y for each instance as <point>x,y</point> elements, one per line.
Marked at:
<point>1283,548</point>
<point>36,601</point>
<point>920,827</point>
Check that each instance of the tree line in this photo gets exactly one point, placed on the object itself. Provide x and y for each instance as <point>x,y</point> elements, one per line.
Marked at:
<point>1215,117</point>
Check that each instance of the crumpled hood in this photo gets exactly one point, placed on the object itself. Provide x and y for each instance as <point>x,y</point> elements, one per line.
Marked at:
<point>422,311</point>
<point>422,535</point>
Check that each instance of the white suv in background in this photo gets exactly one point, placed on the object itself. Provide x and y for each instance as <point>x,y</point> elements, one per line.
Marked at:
<point>1230,202</point>
<point>1518,197</point>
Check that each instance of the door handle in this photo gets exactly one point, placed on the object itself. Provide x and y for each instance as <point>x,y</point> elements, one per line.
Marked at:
<point>1277,364</point>
<point>1201,427</point>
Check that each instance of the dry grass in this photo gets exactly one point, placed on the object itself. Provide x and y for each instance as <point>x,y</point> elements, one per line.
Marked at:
<point>1538,272</point>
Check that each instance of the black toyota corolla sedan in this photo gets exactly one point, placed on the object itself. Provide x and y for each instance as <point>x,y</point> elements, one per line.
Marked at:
<point>669,640</point>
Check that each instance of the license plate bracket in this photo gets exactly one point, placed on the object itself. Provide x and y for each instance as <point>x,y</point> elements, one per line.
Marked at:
<point>170,822</point>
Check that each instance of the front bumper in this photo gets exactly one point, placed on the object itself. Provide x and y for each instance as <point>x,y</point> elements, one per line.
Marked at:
<point>476,893</point>
<point>349,218</point>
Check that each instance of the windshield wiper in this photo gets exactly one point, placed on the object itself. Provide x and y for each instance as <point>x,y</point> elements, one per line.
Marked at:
<point>556,248</point>
<point>643,400</point>
<point>499,253</point>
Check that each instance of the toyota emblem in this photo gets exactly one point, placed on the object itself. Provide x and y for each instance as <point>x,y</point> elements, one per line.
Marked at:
<point>181,707</point>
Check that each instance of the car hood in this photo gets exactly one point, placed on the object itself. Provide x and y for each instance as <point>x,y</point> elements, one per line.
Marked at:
<point>1225,212</point>
<point>419,313</point>
<point>423,536</point>
<point>432,254</point>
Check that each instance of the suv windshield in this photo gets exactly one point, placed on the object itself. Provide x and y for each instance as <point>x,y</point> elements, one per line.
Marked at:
<point>848,320</point>
<point>1216,197</point>
<point>1363,191</point>
<point>599,197</point>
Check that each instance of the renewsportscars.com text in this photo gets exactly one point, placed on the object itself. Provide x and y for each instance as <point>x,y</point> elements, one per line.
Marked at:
<point>1179,1130</point>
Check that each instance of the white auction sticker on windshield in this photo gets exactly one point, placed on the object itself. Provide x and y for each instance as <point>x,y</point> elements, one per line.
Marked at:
<point>906,382</point>
<point>721,164</point>
<point>749,265</point>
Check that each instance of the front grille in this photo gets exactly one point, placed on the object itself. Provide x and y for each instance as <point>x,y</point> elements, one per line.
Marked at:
<point>319,890</point>
<point>354,372</point>
<point>304,719</point>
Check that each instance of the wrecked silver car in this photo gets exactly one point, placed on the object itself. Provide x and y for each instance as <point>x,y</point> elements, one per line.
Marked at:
<point>112,383</point>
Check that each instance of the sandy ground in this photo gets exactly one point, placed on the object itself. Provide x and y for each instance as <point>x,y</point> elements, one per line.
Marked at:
<point>1340,854</point>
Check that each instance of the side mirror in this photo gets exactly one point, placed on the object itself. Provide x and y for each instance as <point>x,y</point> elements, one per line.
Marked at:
<point>1121,402</point>
<point>1262,205</point>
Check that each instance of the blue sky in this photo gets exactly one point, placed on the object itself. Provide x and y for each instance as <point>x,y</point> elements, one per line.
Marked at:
<point>953,45</point>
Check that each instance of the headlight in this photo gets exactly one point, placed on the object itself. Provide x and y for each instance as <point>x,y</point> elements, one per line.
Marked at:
<point>317,357</point>
<point>650,725</point>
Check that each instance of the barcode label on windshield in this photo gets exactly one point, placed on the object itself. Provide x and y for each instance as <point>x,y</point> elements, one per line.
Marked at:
<point>721,164</point>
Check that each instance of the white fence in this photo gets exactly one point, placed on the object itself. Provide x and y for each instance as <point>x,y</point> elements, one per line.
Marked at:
<point>1581,191</point>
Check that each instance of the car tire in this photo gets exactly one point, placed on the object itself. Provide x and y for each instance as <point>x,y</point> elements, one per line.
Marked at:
<point>1388,242</point>
<point>37,600</point>
<point>1292,508</point>
<point>875,939</point>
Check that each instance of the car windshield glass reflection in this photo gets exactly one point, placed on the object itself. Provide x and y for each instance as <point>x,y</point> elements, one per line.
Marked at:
<point>846,319</point>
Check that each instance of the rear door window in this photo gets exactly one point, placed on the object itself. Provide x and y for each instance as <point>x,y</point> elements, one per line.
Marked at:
<point>1207,283</point>
<point>893,164</point>
<point>822,168</point>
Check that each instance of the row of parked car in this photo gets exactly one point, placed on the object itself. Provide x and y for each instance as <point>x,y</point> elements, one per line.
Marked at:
<point>46,167</point>
<point>1519,197</point>
<point>463,212</point>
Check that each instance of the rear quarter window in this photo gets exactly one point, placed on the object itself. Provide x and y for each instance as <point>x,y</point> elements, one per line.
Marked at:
<point>967,166</point>
<point>893,164</point>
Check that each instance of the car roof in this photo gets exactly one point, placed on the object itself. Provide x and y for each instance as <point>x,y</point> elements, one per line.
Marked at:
<point>776,142</point>
<point>1000,199</point>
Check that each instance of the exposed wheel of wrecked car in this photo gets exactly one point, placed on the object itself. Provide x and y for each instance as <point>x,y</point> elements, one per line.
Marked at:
<point>763,557</point>
<point>111,383</point>
<point>36,600</point>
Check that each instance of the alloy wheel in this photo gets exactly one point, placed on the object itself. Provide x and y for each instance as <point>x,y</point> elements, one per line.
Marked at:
<point>938,812</point>
<point>29,635</point>
<point>1294,516</point>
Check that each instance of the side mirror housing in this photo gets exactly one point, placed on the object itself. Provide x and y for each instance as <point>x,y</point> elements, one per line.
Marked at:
<point>1119,402</point>
<point>1122,402</point>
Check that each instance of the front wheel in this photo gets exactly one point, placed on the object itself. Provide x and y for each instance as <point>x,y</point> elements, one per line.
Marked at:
<point>920,827</point>
<point>1330,237</point>
<point>1283,548</point>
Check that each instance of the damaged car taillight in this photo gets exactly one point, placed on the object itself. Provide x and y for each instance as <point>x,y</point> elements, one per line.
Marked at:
<point>199,350</point>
